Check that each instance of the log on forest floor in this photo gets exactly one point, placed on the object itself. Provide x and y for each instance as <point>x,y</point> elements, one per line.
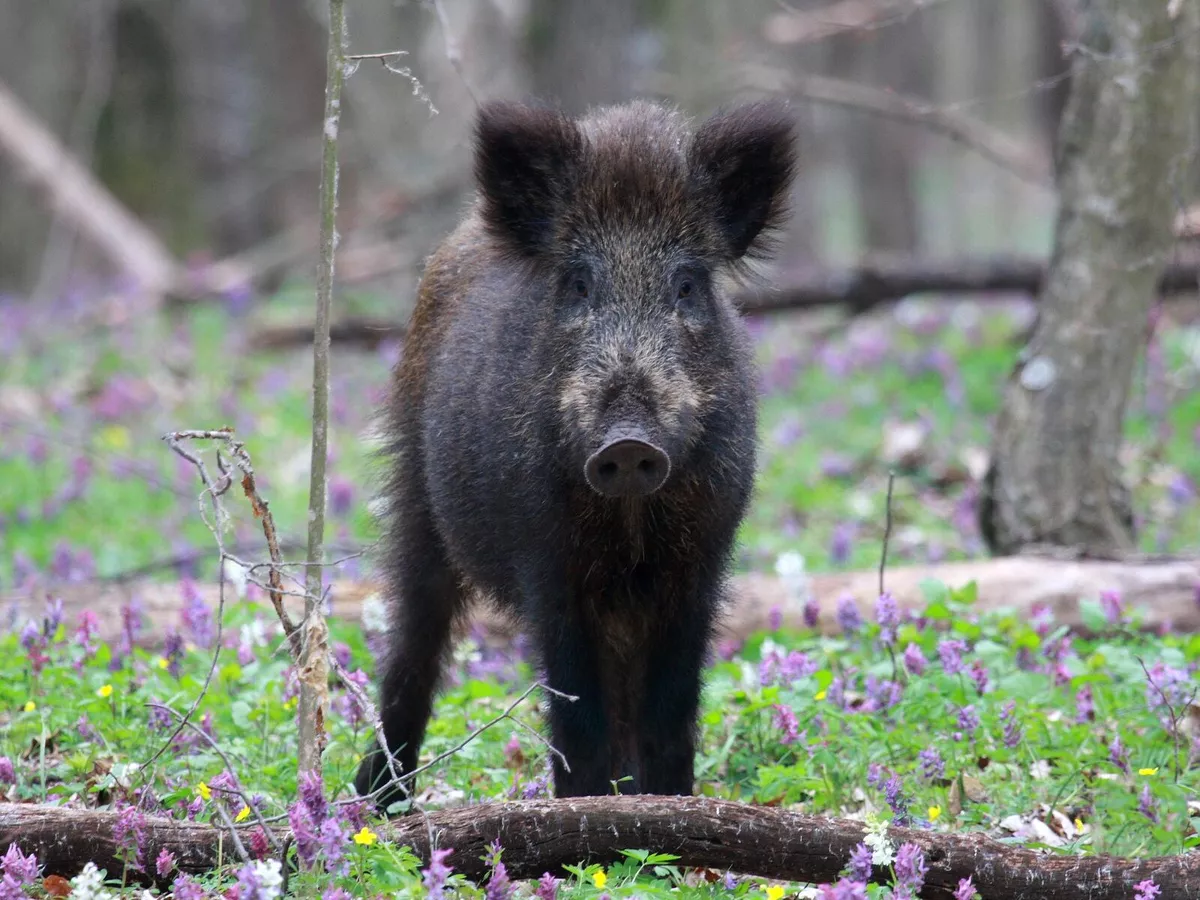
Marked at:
<point>542,836</point>
<point>1166,593</point>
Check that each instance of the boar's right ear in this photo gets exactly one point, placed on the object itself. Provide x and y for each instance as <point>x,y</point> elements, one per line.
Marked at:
<point>746,157</point>
<point>525,159</point>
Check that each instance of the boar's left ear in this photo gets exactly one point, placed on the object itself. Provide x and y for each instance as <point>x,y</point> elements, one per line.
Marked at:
<point>525,161</point>
<point>746,158</point>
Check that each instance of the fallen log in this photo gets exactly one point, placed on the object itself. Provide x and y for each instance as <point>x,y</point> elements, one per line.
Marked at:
<point>543,836</point>
<point>858,288</point>
<point>1164,591</point>
<point>76,195</point>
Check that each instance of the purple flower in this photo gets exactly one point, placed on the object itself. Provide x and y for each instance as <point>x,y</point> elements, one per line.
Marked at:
<point>1117,754</point>
<point>259,845</point>
<point>785,721</point>
<point>881,694</point>
<point>160,719</point>
<point>910,869</point>
<point>968,719</point>
<point>774,618</point>
<point>892,792</point>
<point>8,774</point>
<point>17,866</point>
<point>197,617</point>
<point>812,611</point>
<point>341,496</point>
<point>129,833</point>
<point>979,674</point>
<point>914,660</point>
<point>1146,890</point>
<point>347,704</point>
<point>1085,708</point>
<point>951,652</point>
<point>333,836</point>
<point>875,776</point>
<point>1110,602</point>
<point>304,832</point>
<point>845,889</point>
<point>965,889</point>
<point>547,888</point>
<point>498,886</point>
<point>932,764</point>
<point>335,893</point>
<point>1012,730</point>
<point>435,875</point>
<point>173,651</point>
<point>887,614</point>
<point>165,863</point>
<point>1146,805</point>
<point>312,794</point>
<point>848,617</point>
<point>184,888</point>
<point>842,542</point>
<point>860,863</point>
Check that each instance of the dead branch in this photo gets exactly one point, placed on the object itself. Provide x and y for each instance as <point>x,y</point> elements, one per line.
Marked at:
<point>859,288</point>
<point>75,195</point>
<point>542,836</point>
<point>1164,590</point>
<point>805,26</point>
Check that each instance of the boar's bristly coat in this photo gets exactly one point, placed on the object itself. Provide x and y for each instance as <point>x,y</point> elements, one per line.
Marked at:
<point>572,430</point>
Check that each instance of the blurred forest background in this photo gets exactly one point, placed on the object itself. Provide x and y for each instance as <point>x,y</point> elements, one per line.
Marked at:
<point>160,221</point>
<point>201,116</point>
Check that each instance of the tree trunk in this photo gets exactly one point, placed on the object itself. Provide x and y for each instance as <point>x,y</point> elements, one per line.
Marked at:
<point>544,835</point>
<point>1126,136</point>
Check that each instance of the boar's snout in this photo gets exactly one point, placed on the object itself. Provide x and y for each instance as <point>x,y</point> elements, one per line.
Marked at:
<point>627,465</point>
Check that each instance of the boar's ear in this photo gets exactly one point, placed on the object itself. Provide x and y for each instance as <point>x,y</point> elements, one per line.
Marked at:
<point>746,158</point>
<point>525,160</point>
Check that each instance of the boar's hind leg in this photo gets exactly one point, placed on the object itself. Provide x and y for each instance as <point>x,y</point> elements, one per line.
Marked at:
<point>671,701</point>
<point>425,599</point>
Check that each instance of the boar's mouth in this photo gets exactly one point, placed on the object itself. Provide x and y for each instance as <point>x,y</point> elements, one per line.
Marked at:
<point>628,464</point>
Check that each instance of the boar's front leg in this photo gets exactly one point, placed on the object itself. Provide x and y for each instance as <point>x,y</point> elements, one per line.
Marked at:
<point>579,728</point>
<point>671,694</point>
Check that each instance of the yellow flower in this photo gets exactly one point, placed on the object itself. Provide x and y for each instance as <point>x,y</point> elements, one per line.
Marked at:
<point>1078,824</point>
<point>1153,771</point>
<point>114,437</point>
<point>820,695</point>
<point>934,812</point>
<point>242,814</point>
<point>775,892</point>
<point>30,706</point>
<point>599,879</point>
<point>203,790</point>
<point>104,691</point>
<point>163,662</point>
<point>365,836</point>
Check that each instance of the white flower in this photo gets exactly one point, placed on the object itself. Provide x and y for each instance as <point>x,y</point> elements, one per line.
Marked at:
<point>89,884</point>
<point>269,876</point>
<point>1040,770</point>
<point>883,852</point>
<point>374,613</point>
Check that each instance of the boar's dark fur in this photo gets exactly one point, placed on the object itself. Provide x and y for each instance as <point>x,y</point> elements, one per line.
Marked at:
<point>573,427</point>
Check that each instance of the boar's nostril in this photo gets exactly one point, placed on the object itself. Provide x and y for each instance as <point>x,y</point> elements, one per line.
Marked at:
<point>627,467</point>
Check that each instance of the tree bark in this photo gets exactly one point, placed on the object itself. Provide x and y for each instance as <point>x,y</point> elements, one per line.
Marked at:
<point>1127,135</point>
<point>542,836</point>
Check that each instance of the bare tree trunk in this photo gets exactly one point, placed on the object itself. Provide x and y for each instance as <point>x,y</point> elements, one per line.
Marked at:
<point>582,51</point>
<point>1127,131</point>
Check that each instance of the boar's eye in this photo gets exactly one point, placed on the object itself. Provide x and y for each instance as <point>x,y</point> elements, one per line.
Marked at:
<point>687,294</point>
<point>579,288</point>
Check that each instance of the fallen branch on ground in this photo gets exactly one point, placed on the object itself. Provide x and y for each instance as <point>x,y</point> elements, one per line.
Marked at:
<point>1165,592</point>
<point>542,836</point>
